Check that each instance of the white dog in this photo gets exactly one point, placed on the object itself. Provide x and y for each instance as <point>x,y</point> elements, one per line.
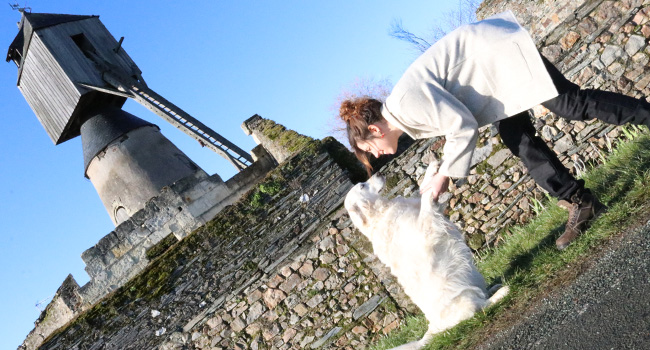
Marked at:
<point>425,251</point>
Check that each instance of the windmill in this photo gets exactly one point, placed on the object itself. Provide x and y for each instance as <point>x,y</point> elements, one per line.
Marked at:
<point>76,77</point>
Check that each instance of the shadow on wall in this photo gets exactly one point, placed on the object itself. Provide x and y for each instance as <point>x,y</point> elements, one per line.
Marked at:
<point>404,142</point>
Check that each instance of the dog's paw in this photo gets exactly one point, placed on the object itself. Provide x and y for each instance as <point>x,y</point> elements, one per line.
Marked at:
<point>499,294</point>
<point>429,174</point>
<point>432,169</point>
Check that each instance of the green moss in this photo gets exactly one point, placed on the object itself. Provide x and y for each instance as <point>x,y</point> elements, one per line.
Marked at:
<point>161,247</point>
<point>250,266</point>
<point>269,187</point>
<point>312,148</point>
<point>272,187</point>
<point>476,241</point>
<point>391,181</point>
<point>293,141</point>
<point>289,139</point>
<point>483,167</point>
<point>389,306</point>
<point>256,200</point>
<point>271,130</point>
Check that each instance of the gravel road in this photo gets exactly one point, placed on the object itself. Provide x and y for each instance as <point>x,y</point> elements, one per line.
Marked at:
<point>607,307</point>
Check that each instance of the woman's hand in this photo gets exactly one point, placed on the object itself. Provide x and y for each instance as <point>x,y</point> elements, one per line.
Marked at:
<point>437,184</point>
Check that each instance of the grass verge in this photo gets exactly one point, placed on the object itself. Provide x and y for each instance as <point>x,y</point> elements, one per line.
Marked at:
<point>527,260</point>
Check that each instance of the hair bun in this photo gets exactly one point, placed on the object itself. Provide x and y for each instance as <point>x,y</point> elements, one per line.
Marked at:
<point>348,110</point>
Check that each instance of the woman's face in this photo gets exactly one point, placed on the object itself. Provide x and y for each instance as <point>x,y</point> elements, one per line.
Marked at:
<point>384,141</point>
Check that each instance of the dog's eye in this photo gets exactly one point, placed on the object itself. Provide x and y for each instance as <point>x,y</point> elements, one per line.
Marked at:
<point>362,186</point>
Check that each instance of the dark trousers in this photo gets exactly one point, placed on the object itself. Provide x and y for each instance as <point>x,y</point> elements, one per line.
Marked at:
<point>572,103</point>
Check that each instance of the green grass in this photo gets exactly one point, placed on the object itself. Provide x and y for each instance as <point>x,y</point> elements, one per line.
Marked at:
<point>527,260</point>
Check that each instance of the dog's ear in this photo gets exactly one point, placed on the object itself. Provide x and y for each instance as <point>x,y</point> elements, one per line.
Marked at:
<point>357,212</point>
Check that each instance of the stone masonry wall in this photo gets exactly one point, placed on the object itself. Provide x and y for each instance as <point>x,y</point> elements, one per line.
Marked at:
<point>271,272</point>
<point>124,253</point>
<point>539,17</point>
<point>179,209</point>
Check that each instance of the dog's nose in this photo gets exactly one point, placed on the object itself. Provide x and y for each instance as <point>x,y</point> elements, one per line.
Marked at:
<point>380,176</point>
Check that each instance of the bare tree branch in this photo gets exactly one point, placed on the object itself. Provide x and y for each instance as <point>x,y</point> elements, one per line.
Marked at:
<point>398,32</point>
<point>453,19</point>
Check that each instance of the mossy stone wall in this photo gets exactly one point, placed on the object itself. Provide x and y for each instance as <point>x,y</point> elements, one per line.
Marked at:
<point>272,271</point>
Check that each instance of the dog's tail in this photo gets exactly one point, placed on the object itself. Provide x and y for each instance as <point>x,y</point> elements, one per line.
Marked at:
<point>498,292</point>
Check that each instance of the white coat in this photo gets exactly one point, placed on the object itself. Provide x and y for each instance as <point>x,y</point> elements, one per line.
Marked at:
<point>478,74</point>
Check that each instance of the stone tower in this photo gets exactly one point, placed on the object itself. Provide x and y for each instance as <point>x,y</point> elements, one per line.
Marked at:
<point>128,161</point>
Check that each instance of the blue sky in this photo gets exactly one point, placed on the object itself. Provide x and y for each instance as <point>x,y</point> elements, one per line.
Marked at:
<point>222,62</point>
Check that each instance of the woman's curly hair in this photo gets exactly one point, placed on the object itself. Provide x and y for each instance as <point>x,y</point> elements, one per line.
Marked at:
<point>358,114</point>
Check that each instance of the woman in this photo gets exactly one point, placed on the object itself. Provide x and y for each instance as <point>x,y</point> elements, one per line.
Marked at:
<point>482,73</point>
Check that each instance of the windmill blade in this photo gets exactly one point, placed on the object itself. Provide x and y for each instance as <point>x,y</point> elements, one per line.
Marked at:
<point>180,119</point>
<point>140,92</point>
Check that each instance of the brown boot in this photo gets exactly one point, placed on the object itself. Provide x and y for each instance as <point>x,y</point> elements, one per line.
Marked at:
<point>583,208</point>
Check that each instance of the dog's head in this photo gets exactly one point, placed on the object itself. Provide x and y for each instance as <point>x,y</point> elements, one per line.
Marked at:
<point>360,199</point>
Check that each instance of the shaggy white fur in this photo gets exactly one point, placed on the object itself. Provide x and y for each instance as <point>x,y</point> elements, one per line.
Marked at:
<point>425,251</point>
